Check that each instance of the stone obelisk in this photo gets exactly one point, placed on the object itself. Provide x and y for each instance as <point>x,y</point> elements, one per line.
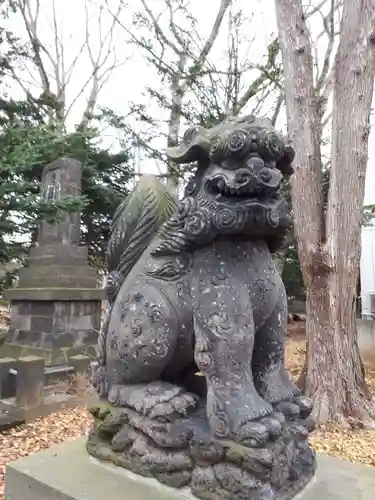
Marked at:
<point>56,307</point>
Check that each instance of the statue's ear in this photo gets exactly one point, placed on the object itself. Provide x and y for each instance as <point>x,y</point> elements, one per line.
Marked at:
<point>194,147</point>
<point>285,163</point>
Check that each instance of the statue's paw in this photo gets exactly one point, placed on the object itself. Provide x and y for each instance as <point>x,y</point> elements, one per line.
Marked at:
<point>178,406</point>
<point>299,407</point>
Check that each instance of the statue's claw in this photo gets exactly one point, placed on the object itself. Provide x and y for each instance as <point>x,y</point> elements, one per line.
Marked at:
<point>176,407</point>
<point>159,400</point>
<point>305,405</point>
<point>183,403</point>
<point>299,407</point>
<point>253,434</point>
<point>274,426</point>
<point>146,398</point>
<point>258,433</point>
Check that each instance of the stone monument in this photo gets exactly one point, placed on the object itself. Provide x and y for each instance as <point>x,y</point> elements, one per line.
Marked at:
<point>194,388</point>
<point>56,307</point>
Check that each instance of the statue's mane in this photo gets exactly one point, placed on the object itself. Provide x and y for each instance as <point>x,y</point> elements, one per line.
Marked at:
<point>176,238</point>
<point>197,220</point>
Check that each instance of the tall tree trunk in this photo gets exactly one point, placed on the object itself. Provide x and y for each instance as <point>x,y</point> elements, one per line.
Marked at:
<point>329,244</point>
<point>174,125</point>
<point>354,71</point>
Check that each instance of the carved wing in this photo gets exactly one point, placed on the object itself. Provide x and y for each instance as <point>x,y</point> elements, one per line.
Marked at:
<point>136,221</point>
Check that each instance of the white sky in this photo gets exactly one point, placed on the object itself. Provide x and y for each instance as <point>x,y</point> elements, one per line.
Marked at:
<point>127,82</point>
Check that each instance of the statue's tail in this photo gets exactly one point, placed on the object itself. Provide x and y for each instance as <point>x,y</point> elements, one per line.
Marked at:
<point>136,222</point>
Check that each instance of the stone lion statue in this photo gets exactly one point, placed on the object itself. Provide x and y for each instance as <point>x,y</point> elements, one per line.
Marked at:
<point>198,310</point>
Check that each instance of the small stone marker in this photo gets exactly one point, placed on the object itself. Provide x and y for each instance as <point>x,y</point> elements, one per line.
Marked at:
<point>61,179</point>
<point>82,367</point>
<point>30,382</point>
<point>81,364</point>
<point>7,381</point>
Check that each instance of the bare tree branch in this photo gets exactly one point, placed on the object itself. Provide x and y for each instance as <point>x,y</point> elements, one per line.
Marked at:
<point>329,27</point>
<point>214,32</point>
<point>50,62</point>
<point>31,22</point>
<point>251,91</point>
<point>173,25</point>
<point>315,9</point>
<point>279,103</point>
<point>181,76</point>
<point>151,56</point>
<point>159,32</point>
<point>99,77</point>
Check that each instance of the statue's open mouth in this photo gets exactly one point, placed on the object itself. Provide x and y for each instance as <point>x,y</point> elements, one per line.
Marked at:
<point>221,189</point>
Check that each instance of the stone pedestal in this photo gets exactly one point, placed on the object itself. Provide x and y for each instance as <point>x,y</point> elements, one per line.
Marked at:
<point>56,308</point>
<point>180,451</point>
<point>66,472</point>
<point>54,322</point>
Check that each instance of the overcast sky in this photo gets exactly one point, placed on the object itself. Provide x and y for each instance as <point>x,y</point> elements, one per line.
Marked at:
<point>128,81</point>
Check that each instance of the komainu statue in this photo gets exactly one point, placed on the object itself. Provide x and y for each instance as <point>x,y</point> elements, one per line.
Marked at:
<point>191,358</point>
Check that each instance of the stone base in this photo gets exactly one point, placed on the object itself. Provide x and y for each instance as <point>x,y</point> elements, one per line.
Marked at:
<point>10,416</point>
<point>58,275</point>
<point>52,403</point>
<point>51,356</point>
<point>183,453</point>
<point>54,294</point>
<point>66,472</point>
<point>53,323</point>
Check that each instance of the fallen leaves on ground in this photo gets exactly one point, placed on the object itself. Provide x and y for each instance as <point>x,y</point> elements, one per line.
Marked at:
<point>39,435</point>
<point>356,445</point>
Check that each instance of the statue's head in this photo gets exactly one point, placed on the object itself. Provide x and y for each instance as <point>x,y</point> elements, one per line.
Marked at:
<point>235,189</point>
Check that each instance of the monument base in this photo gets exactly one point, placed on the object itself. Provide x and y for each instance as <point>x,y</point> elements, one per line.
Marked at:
<point>52,356</point>
<point>67,472</point>
<point>53,323</point>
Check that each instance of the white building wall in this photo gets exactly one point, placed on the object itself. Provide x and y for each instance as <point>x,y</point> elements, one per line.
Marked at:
<point>367,269</point>
<point>368,236</point>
